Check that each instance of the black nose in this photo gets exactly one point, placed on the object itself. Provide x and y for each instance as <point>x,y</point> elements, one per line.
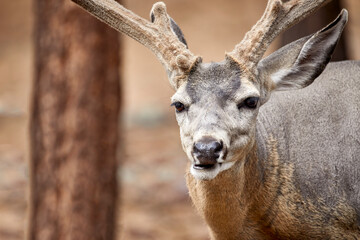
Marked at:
<point>207,151</point>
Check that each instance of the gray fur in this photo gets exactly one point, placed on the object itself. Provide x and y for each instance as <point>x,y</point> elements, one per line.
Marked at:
<point>221,79</point>
<point>318,129</point>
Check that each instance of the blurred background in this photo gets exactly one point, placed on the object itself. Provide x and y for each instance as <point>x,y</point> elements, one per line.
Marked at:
<point>154,202</point>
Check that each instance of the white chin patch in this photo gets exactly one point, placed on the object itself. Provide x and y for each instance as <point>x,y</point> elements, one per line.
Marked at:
<point>208,174</point>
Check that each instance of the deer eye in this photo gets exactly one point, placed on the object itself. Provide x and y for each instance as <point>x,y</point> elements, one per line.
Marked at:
<point>250,102</point>
<point>178,106</point>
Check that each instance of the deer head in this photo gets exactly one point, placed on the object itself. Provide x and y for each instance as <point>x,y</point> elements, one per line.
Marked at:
<point>217,104</point>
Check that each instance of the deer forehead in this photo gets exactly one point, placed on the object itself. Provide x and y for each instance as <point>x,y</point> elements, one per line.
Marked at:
<point>216,83</point>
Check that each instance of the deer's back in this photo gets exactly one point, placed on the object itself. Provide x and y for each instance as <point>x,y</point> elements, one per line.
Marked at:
<point>317,132</point>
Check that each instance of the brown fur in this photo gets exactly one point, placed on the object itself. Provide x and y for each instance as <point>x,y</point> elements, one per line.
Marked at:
<point>242,203</point>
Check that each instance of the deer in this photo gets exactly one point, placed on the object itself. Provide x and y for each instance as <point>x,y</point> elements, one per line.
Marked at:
<point>273,142</point>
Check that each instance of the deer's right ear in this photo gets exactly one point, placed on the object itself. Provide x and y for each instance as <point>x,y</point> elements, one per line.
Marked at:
<point>174,27</point>
<point>297,64</point>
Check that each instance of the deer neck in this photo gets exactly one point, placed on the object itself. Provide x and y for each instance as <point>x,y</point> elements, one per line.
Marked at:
<point>224,201</point>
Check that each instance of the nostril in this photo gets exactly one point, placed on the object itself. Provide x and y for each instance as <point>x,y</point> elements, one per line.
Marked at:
<point>217,146</point>
<point>199,147</point>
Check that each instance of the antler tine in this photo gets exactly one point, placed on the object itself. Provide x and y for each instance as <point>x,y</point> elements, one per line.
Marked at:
<point>279,15</point>
<point>156,36</point>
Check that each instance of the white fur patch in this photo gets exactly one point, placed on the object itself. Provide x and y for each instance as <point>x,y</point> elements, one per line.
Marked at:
<point>208,174</point>
<point>278,76</point>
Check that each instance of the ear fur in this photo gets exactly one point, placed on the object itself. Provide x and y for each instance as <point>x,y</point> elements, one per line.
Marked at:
<point>299,63</point>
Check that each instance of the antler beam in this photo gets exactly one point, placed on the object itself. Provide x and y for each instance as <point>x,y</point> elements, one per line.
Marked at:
<point>279,15</point>
<point>157,36</point>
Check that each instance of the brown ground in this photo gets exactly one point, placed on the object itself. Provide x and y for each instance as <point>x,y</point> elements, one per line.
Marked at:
<point>155,203</point>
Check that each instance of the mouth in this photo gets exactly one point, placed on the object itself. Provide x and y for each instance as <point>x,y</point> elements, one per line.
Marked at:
<point>205,166</point>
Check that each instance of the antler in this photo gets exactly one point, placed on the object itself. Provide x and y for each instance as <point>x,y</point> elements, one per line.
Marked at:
<point>279,15</point>
<point>157,35</point>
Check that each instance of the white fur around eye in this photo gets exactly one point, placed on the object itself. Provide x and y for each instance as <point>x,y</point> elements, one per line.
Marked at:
<point>181,96</point>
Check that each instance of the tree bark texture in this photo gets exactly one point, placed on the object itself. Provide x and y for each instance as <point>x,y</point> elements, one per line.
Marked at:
<point>74,125</point>
<point>314,23</point>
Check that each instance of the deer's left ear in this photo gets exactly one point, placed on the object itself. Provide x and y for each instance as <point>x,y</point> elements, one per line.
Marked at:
<point>297,64</point>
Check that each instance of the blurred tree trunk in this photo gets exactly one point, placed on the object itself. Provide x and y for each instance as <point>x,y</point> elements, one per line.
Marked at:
<point>74,125</point>
<point>314,23</point>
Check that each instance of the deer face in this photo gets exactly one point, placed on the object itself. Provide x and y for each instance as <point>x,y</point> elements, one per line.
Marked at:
<point>217,105</point>
<point>216,110</point>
